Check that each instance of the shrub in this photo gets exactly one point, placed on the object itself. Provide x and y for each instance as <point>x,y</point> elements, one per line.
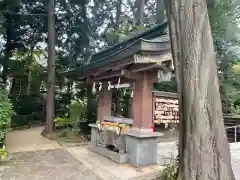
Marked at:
<point>6,112</point>
<point>75,118</point>
<point>78,110</point>
<point>62,122</point>
<point>3,152</point>
<point>171,170</point>
<point>28,108</point>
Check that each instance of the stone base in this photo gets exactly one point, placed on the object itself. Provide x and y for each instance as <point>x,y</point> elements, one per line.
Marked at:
<point>114,156</point>
<point>107,137</point>
<point>138,147</point>
<point>142,148</point>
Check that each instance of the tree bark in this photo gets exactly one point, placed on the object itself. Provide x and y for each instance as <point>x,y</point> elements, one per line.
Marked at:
<point>8,49</point>
<point>30,61</point>
<point>50,111</point>
<point>116,94</point>
<point>140,12</point>
<point>118,14</point>
<point>172,13</point>
<point>204,150</point>
<point>160,11</point>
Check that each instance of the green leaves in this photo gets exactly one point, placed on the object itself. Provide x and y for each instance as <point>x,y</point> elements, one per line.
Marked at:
<point>171,170</point>
<point>224,17</point>
<point>236,69</point>
<point>3,153</point>
<point>62,121</point>
<point>77,114</point>
<point>6,112</point>
<point>78,110</point>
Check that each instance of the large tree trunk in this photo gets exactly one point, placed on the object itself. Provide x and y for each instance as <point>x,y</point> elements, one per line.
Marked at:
<point>116,94</point>
<point>204,151</point>
<point>160,11</point>
<point>51,67</point>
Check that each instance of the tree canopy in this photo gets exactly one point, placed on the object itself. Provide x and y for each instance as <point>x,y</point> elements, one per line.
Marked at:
<point>85,27</point>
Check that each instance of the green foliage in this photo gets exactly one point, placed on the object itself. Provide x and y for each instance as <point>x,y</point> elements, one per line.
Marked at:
<point>62,122</point>
<point>25,90</point>
<point>6,112</point>
<point>77,114</point>
<point>223,16</point>
<point>83,27</point>
<point>166,86</point>
<point>3,153</point>
<point>171,170</point>
<point>236,69</point>
<point>78,110</point>
<point>125,30</point>
<point>28,108</point>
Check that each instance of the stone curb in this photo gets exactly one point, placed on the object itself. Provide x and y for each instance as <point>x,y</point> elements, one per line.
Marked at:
<point>97,170</point>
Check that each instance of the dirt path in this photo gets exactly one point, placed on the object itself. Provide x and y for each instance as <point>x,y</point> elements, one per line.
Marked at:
<point>28,140</point>
<point>33,157</point>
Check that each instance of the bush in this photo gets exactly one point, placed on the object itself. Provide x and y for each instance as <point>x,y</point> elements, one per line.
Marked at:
<point>3,152</point>
<point>62,122</point>
<point>78,110</point>
<point>76,117</point>
<point>28,108</point>
<point>171,171</point>
<point>6,112</point>
<point>19,120</point>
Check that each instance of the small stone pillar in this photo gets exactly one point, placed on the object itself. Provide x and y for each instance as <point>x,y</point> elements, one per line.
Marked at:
<point>141,141</point>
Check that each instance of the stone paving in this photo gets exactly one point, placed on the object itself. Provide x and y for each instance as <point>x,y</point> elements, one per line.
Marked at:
<point>52,164</point>
<point>37,158</point>
<point>33,157</point>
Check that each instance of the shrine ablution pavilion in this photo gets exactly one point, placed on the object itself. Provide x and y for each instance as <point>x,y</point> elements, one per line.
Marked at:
<point>139,61</point>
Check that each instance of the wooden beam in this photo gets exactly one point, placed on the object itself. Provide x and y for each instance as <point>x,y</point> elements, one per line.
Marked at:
<point>144,67</point>
<point>114,81</point>
<point>131,75</point>
<point>113,66</point>
<point>117,74</point>
<point>159,58</point>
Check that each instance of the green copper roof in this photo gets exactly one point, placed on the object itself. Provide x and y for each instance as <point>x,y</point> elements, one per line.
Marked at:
<point>151,33</point>
<point>119,50</point>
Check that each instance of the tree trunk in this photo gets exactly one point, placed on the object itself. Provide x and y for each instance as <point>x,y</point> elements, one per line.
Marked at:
<point>51,67</point>
<point>172,12</point>
<point>204,150</point>
<point>140,12</point>
<point>8,49</point>
<point>30,61</point>
<point>160,11</point>
<point>29,82</point>
<point>118,14</point>
<point>115,92</point>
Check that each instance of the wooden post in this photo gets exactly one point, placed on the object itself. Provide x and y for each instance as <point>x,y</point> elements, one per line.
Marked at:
<point>104,102</point>
<point>142,101</point>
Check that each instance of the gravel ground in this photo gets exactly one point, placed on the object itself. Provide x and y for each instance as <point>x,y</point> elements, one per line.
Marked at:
<point>55,164</point>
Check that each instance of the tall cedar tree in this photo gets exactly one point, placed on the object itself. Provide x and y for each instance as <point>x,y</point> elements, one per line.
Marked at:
<point>204,150</point>
<point>51,67</point>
